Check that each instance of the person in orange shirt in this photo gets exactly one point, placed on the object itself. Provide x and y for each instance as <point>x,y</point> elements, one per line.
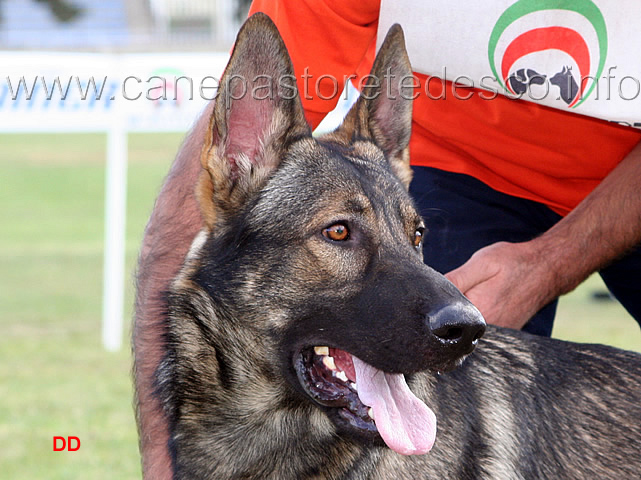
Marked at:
<point>522,202</point>
<point>487,172</point>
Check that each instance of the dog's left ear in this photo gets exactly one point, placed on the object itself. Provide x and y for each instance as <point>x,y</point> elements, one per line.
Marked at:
<point>383,113</point>
<point>257,112</point>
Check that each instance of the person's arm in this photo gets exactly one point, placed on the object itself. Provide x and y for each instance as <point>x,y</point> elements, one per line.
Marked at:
<point>174,222</point>
<point>510,282</point>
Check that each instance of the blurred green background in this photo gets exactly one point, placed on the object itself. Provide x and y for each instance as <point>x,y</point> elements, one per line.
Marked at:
<point>55,377</point>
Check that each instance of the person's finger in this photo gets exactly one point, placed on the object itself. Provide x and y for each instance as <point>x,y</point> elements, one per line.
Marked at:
<point>467,276</point>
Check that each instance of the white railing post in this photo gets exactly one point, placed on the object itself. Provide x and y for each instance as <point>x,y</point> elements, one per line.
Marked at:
<point>115,221</point>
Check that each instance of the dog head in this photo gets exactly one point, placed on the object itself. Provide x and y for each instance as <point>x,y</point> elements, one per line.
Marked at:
<point>313,248</point>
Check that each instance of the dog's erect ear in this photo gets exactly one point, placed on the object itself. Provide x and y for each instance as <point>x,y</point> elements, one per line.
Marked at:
<point>383,113</point>
<point>257,113</point>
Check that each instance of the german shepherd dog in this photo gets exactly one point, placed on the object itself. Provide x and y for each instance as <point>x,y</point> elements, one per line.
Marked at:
<point>307,339</point>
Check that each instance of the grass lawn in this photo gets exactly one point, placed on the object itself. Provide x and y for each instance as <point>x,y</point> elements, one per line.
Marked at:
<point>55,379</point>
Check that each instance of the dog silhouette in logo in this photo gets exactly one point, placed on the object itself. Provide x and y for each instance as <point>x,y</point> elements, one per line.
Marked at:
<point>522,78</point>
<point>566,83</point>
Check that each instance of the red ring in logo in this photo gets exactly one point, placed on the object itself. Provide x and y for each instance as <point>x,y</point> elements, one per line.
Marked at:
<point>547,38</point>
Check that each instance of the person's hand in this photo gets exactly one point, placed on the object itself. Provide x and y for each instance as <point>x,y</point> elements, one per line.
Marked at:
<point>508,282</point>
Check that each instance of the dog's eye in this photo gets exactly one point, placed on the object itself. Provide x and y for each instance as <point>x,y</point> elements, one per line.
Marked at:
<point>418,238</point>
<point>337,232</point>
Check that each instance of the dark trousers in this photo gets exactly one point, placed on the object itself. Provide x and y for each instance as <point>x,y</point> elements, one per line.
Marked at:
<point>463,215</point>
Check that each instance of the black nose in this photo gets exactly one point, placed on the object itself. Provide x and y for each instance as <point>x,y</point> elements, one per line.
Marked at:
<point>457,326</point>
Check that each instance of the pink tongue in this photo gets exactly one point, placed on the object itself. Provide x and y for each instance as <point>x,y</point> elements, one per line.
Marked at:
<point>407,425</point>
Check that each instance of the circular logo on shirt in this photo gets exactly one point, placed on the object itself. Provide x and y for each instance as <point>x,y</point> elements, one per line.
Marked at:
<point>542,45</point>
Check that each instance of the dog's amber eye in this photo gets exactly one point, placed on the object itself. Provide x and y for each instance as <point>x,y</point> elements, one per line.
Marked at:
<point>337,232</point>
<point>418,238</point>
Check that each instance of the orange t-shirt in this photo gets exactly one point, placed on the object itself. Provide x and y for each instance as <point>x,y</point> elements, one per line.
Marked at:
<point>516,147</point>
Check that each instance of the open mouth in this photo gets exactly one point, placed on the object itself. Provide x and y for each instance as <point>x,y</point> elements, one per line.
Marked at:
<point>328,377</point>
<point>367,399</point>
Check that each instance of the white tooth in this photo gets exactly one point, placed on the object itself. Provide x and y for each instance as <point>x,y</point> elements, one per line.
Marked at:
<point>341,375</point>
<point>321,350</point>
<point>370,412</point>
<point>329,362</point>
<point>354,386</point>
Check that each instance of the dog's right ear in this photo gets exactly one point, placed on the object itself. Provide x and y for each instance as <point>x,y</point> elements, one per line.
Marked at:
<point>257,112</point>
